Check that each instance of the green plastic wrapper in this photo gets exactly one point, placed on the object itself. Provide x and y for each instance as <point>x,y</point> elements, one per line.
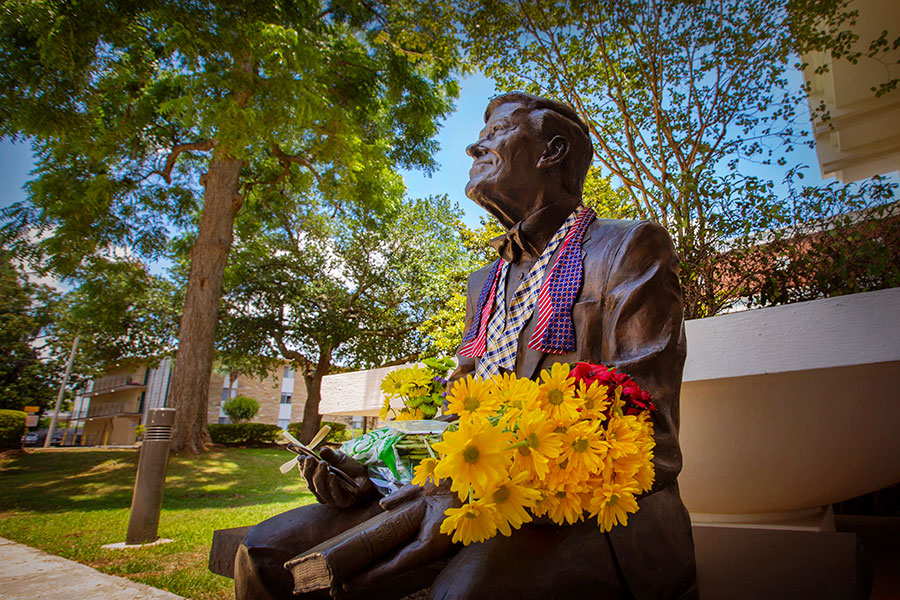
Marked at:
<point>387,469</point>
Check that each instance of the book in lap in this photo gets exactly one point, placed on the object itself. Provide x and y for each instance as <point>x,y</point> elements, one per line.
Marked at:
<point>340,558</point>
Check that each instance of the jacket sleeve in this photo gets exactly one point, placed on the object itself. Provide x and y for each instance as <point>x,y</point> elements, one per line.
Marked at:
<point>466,365</point>
<point>643,331</point>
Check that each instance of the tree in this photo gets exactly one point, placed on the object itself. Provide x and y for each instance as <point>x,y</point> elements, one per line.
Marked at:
<point>119,311</point>
<point>26,309</point>
<point>241,408</point>
<point>142,113</point>
<point>679,97</point>
<point>319,288</point>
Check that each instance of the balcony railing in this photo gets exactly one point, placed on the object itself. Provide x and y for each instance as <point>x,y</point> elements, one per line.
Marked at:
<point>114,383</point>
<point>106,409</point>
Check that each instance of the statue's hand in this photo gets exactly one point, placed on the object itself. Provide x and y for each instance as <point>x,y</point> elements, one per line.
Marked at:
<point>428,545</point>
<point>329,488</point>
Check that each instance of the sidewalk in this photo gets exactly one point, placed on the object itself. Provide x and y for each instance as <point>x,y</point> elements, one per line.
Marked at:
<point>29,574</point>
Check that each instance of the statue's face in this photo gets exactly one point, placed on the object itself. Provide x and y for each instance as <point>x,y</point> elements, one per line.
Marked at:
<point>504,174</point>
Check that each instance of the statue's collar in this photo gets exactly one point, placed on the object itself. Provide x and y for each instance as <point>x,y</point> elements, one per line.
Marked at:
<point>527,239</point>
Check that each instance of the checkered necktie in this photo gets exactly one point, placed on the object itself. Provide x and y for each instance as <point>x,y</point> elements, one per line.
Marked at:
<point>504,326</point>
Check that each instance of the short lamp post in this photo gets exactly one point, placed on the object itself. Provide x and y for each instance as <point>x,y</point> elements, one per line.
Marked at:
<point>143,524</point>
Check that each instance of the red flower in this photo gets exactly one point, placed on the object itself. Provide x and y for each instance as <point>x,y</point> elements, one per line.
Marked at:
<point>636,399</point>
<point>589,373</point>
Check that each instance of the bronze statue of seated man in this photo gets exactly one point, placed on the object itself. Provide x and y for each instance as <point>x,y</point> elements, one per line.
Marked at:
<point>621,306</point>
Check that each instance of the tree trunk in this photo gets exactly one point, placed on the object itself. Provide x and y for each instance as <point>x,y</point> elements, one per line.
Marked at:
<point>196,338</point>
<point>312,420</point>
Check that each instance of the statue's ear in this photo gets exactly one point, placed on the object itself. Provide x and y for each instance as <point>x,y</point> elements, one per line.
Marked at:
<point>556,152</point>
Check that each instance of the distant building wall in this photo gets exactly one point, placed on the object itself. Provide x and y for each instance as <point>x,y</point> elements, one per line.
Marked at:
<point>281,395</point>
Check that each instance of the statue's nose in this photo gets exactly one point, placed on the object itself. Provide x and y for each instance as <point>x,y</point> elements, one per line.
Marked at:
<point>475,150</point>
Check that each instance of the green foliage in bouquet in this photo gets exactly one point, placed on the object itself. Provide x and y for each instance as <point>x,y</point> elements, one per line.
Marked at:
<point>420,387</point>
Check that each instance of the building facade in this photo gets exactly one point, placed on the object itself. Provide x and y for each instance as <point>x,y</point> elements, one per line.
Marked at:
<point>111,407</point>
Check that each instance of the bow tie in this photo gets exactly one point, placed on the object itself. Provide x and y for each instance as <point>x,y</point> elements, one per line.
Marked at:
<point>513,246</point>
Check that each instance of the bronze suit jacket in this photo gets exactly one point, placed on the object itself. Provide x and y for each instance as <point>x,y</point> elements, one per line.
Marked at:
<point>629,315</point>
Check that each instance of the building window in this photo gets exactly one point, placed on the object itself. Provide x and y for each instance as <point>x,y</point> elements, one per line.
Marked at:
<point>285,398</point>
<point>283,423</point>
<point>224,421</point>
<point>288,372</point>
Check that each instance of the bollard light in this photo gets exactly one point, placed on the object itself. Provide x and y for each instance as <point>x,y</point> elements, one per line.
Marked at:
<point>146,502</point>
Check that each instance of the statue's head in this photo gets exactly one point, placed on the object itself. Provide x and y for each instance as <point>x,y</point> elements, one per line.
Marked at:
<point>532,152</point>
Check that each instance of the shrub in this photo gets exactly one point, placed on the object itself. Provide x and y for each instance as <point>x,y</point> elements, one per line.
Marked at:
<point>249,434</point>
<point>12,428</point>
<point>241,408</point>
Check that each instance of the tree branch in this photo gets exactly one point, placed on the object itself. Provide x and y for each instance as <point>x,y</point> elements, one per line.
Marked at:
<point>175,152</point>
<point>286,159</point>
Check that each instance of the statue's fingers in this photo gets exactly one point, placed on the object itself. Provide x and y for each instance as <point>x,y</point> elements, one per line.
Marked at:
<point>341,495</point>
<point>321,479</point>
<point>342,461</point>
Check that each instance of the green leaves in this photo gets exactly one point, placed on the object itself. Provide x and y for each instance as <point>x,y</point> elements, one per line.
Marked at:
<point>681,99</point>
<point>112,92</point>
<point>355,281</point>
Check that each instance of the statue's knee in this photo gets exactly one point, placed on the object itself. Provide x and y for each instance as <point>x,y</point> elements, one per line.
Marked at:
<point>247,584</point>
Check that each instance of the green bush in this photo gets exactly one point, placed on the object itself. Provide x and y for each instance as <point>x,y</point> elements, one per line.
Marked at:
<point>245,434</point>
<point>241,408</point>
<point>12,428</point>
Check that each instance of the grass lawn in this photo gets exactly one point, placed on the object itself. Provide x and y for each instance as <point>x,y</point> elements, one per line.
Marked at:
<point>71,502</point>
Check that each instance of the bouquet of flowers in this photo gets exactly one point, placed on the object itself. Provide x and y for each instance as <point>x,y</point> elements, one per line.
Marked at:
<point>420,388</point>
<point>579,441</point>
<point>391,452</point>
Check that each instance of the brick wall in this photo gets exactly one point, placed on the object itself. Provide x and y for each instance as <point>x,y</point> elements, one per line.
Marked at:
<point>266,391</point>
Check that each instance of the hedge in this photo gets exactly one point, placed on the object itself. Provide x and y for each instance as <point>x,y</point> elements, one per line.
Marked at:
<point>12,428</point>
<point>244,433</point>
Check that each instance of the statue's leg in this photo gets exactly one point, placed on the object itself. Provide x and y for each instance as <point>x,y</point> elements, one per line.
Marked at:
<point>259,572</point>
<point>537,561</point>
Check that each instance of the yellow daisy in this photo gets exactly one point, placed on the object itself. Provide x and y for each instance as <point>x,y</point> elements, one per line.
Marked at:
<point>539,445</point>
<point>410,414</point>
<point>647,441</point>
<point>474,456</point>
<point>556,394</point>
<point>621,435</point>
<point>385,408</point>
<point>471,396</point>
<point>393,383</point>
<point>584,448</point>
<point>593,400</point>
<point>424,472</point>
<point>646,473</point>
<point>561,474</point>
<point>474,521</point>
<point>512,499</point>
<point>515,394</point>
<point>612,503</point>
<point>563,505</point>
